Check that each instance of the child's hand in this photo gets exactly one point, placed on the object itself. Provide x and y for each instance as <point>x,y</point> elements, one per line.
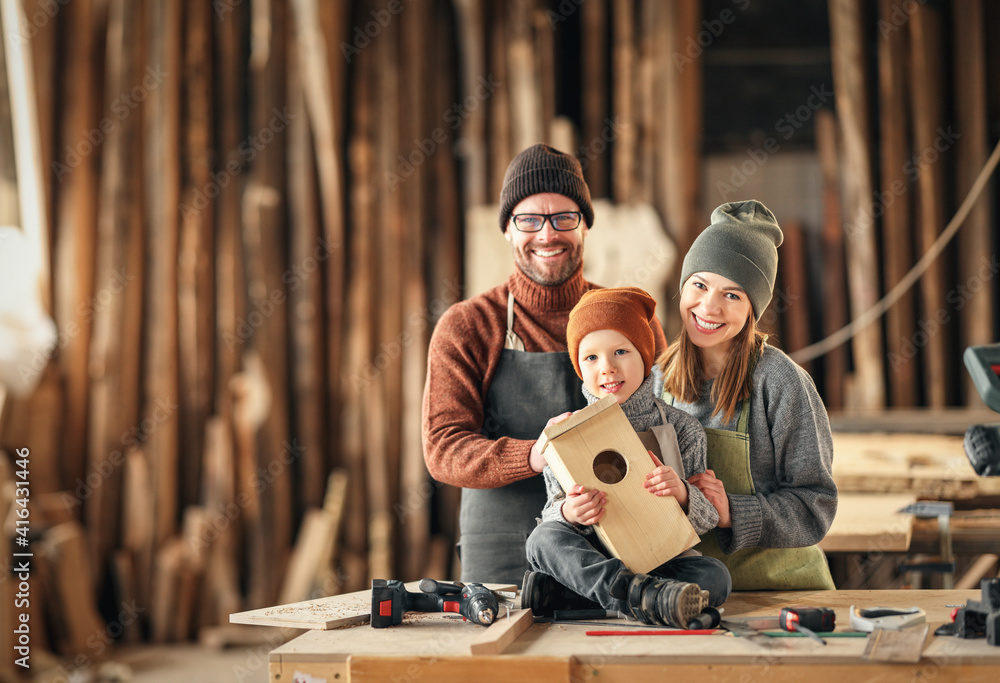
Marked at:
<point>536,459</point>
<point>664,481</point>
<point>583,506</point>
<point>715,492</point>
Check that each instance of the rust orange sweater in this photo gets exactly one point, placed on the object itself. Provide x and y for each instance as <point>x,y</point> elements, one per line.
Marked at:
<point>464,352</point>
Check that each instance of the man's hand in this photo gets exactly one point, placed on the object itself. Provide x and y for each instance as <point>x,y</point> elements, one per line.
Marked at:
<point>664,481</point>
<point>715,492</point>
<point>536,460</point>
<point>583,506</point>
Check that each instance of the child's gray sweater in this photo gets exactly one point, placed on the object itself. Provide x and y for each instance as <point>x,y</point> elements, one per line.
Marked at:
<point>642,413</point>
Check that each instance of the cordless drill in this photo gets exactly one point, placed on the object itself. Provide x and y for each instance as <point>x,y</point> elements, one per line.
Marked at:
<point>391,600</point>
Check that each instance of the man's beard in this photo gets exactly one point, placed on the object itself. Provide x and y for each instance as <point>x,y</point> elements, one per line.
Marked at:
<point>549,276</point>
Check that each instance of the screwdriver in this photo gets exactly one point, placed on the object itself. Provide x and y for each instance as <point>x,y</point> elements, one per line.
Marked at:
<point>807,620</point>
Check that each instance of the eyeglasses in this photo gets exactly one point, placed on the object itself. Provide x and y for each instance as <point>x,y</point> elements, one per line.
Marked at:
<point>533,222</point>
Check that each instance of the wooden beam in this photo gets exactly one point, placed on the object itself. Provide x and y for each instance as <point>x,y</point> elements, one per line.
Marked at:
<point>972,147</point>
<point>622,67</point>
<point>834,287</point>
<point>929,140</point>
<point>850,88</point>
<point>75,230</point>
<point>897,219</point>
<point>162,216</point>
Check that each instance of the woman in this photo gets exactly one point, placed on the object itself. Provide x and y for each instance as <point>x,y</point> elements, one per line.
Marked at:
<point>770,451</point>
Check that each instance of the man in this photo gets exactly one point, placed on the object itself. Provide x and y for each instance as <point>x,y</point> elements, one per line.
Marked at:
<point>498,370</point>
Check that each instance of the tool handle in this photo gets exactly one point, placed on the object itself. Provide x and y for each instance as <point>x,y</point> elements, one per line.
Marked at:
<point>811,618</point>
<point>439,587</point>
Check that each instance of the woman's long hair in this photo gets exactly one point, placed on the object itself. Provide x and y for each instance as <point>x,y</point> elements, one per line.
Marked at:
<point>684,373</point>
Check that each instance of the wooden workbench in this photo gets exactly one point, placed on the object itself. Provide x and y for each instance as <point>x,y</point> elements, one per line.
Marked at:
<point>434,647</point>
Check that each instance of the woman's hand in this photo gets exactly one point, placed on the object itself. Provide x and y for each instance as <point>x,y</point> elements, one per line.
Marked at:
<point>583,506</point>
<point>536,459</point>
<point>715,492</point>
<point>664,481</point>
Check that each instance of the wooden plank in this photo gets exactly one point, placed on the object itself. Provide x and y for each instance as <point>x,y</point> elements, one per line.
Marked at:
<point>973,532</point>
<point>972,146</point>
<point>950,421</point>
<point>894,202</point>
<point>927,465</point>
<point>305,297</point>
<point>196,255</point>
<point>334,612</point>
<point>850,88</point>
<point>472,45</point>
<point>501,633</point>
<point>65,547</point>
<point>162,218</point>
<point>535,670</point>
<point>793,308</point>
<point>75,229</point>
<point>264,233</point>
<point>868,522</point>
<point>501,146</point>
<point>834,288</point>
<point>594,90</point>
<point>334,506</point>
<point>230,287</point>
<point>114,356</point>
<point>929,139</point>
<point>527,126</point>
<point>222,580</point>
<point>623,60</point>
<point>139,520</point>
<point>358,323</point>
<point>414,523</point>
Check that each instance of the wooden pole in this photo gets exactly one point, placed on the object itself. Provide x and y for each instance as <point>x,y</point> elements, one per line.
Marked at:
<point>114,358</point>
<point>930,145</point>
<point>970,78</point>
<point>894,127</point>
<point>847,43</point>
<point>595,94</point>
<point>834,291</point>
<point>623,63</point>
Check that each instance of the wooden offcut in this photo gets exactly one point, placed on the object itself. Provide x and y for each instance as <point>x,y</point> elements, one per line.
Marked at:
<point>641,529</point>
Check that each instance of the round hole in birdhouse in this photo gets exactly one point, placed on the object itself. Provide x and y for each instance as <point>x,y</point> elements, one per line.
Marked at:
<point>610,467</point>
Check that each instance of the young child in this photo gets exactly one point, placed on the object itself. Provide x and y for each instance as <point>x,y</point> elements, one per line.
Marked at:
<point>611,345</point>
<point>770,451</point>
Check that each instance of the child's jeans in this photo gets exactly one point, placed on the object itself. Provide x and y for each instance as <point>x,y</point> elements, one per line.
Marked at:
<point>581,563</point>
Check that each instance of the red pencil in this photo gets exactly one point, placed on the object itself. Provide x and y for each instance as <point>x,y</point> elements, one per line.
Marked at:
<point>664,632</point>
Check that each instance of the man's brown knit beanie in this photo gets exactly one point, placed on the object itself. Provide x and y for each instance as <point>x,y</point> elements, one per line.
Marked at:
<point>540,169</point>
<point>628,310</point>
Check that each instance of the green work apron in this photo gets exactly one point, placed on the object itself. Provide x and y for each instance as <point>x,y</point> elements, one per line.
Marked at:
<point>756,568</point>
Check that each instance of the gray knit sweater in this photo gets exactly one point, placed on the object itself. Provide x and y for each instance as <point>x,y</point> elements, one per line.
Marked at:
<point>642,413</point>
<point>791,458</point>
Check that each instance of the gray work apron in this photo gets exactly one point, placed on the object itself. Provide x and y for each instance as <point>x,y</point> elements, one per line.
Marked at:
<point>527,390</point>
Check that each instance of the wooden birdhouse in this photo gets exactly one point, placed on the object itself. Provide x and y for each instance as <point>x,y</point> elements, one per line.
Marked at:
<point>597,448</point>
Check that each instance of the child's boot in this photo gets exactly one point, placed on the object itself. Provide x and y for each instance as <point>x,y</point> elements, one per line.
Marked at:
<point>543,595</point>
<point>653,600</point>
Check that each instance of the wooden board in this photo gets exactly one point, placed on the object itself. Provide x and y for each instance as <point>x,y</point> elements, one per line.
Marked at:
<point>337,611</point>
<point>869,522</point>
<point>573,448</point>
<point>926,465</point>
<point>501,633</point>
